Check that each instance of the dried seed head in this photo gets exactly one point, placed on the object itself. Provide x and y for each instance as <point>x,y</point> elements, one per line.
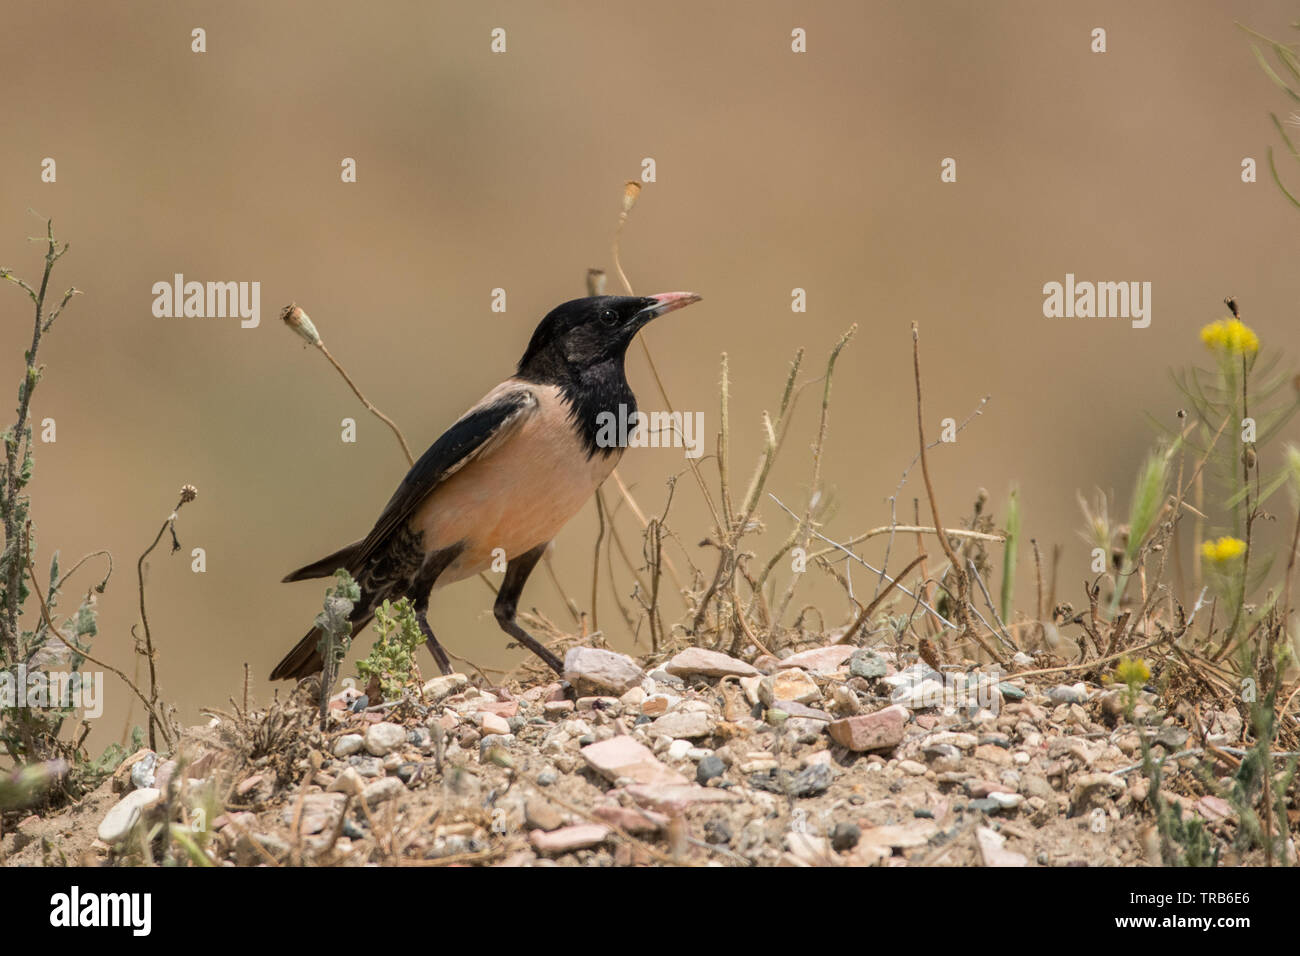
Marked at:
<point>188,494</point>
<point>297,320</point>
<point>631,190</point>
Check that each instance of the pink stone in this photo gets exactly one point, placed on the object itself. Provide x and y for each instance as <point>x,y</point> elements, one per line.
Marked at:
<point>504,708</point>
<point>821,660</point>
<point>623,757</point>
<point>631,819</point>
<point>700,660</point>
<point>882,730</point>
<point>567,839</point>
<point>982,788</point>
<point>675,798</point>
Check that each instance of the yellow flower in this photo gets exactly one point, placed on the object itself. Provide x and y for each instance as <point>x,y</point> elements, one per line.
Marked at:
<point>1135,673</point>
<point>1223,550</point>
<point>1232,336</point>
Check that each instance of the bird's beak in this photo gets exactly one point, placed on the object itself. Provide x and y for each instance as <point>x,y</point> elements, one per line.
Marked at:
<point>665,302</point>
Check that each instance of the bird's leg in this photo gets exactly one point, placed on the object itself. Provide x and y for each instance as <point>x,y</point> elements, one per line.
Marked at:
<point>517,572</point>
<point>418,593</point>
<point>431,642</point>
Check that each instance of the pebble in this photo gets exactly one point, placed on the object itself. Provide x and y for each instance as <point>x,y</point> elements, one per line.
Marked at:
<point>882,730</point>
<point>348,782</point>
<point>602,669</point>
<point>383,738</point>
<point>845,836</point>
<point>992,850</point>
<point>821,660</point>
<point>124,814</point>
<point>142,772</point>
<point>622,757</point>
<point>678,749</point>
<point>384,789</point>
<point>813,780</point>
<point>1068,694</point>
<point>690,725</point>
<point>349,744</point>
<point>542,815</point>
<point>867,664</point>
<point>491,723</point>
<point>568,839</point>
<point>911,767</point>
<point>439,687</point>
<point>789,684</point>
<point>700,660</point>
<point>709,768</point>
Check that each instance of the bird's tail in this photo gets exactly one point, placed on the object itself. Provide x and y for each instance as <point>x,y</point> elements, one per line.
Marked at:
<point>342,558</point>
<point>305,660</point>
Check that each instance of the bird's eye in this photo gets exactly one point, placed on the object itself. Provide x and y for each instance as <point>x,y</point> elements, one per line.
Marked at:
<point>608,317</point>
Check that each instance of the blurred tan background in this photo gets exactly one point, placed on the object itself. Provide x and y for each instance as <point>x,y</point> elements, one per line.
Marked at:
<point>478,171</point>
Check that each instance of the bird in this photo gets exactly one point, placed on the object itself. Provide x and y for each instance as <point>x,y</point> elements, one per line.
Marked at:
<point>508,474</point>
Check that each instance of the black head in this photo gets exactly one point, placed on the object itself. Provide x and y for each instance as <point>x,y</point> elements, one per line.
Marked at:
<point>589,333</point>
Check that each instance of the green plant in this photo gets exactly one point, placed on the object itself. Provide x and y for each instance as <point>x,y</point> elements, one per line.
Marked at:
<point>32,734</point>
<point>391,662</point>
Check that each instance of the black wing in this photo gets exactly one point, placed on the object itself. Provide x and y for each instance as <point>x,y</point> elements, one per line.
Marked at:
<point>476,431</point>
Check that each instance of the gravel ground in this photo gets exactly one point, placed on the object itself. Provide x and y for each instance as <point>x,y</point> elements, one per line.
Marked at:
<point>835,756</point>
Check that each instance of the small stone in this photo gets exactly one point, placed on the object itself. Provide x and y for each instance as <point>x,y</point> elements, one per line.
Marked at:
<point>439,687</point>
<point>1067,694</point>
<point>717,831</point>
<point>383,738</point>
<point>845,836</point>
<point>882,730</point>
<point>689,725</point>
<point>349,782</point>
<point>1006,801</point>
<point>142,773</point>
<point>542,815</point>
<point>493,724</point>
<point>678,749</point>
<point>708,769</point>
<point>122,775</point>
<point>789,684</point>
<point>991,849</point>
<point>602,669</point>
<point>812,780</point>
<point>911,768</point>
<point>384,789</point>
<point>656,705</point>
<point>366,765</point>
<point>547,777</point>
<point>555,709</point>
<point>349,744</point>
<point>867,664</point>
<point>632,819</point>
<point>124,815</point>
<point>634,697</point>
<point>821,660</point>
<point>1168,736</point>
<point>318,812</point>
<point>568,839</point>
<point>805,849</point>
<point>622,757</point>
<point>1011,691</point>
<point>699,660</point>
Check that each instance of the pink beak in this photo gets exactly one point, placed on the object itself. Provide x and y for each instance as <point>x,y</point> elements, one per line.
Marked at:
<point>666,302</point>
